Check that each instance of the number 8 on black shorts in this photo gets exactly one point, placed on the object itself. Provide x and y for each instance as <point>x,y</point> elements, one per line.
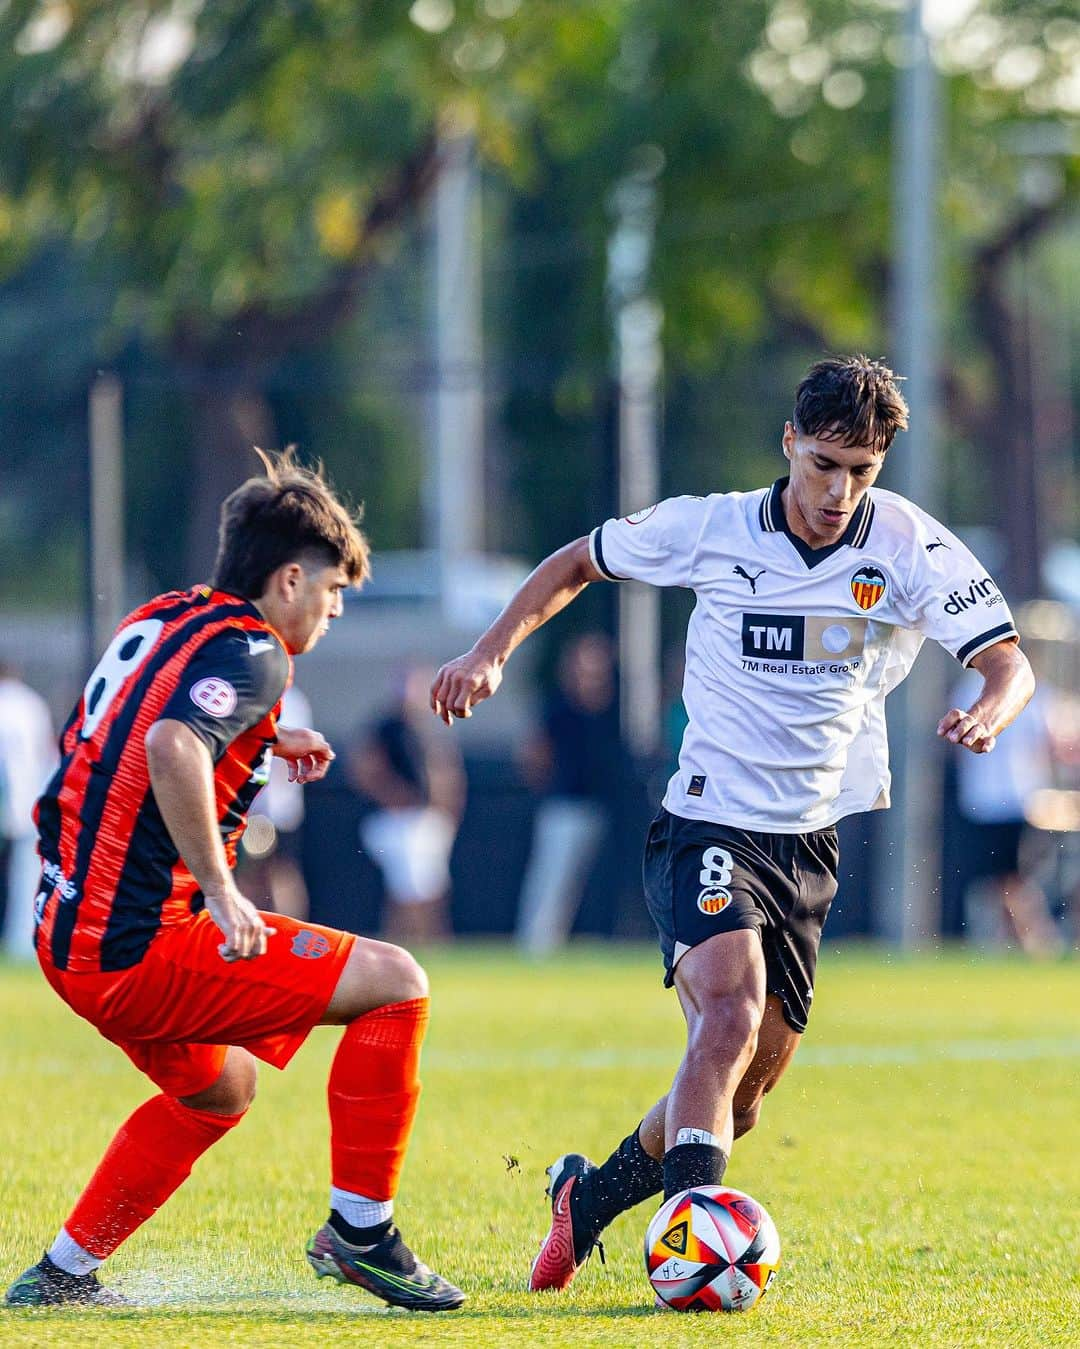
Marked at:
<point>702,879</point>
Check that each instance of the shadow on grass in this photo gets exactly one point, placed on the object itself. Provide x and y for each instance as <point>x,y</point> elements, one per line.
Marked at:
<point>250,1307</point>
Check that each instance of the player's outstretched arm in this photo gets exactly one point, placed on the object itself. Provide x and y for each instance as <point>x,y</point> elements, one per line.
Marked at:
<point>468,680</point>
<point>1008,683</point>
<point>182,777</point>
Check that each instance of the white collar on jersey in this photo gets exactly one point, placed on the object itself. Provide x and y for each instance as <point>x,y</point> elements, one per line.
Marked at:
<point>772,520</point>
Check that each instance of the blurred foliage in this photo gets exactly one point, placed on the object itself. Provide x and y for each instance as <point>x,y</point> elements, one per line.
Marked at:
<point>225,203</point>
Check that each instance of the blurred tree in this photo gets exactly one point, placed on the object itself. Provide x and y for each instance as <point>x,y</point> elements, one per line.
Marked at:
<point>772,126</point>
<point>238,172</point>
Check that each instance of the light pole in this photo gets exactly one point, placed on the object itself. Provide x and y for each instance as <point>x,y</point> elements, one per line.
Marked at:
<point>908,864</point>
<point>105,515</point>
<point>454,487</point>
<point>637,320</point>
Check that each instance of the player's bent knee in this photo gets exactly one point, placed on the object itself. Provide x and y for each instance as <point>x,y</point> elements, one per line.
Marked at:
<point>375,975</point>
<point>234,1090</point>
<point>400,977</point>
<point>412,977</point>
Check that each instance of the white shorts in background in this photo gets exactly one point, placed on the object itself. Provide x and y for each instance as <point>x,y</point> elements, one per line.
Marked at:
<point>567,835</point>
<point>23,880</point>
<point>412,849</point>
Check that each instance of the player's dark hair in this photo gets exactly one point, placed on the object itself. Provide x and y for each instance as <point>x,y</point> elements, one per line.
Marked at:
<point>851,400</point>
<point>290,515</point>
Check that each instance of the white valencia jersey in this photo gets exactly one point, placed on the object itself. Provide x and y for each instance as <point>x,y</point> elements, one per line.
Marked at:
<point>791,650</point>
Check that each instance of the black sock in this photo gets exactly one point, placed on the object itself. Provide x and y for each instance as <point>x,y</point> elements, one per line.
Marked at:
<point>627,1177</point>
<point>690,1164</point>
<point>359,1236</point>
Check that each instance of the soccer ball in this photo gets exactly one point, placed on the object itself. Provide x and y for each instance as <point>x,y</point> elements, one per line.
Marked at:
<point>711,1249</point>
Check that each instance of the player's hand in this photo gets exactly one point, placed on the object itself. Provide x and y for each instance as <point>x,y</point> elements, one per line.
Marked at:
<point>961,728</point>
<point>463,683</point>
<point>241,924</point>
<point>307,753</point>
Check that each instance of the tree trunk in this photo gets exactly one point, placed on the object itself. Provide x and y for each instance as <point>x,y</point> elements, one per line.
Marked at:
<point>1009,430</point>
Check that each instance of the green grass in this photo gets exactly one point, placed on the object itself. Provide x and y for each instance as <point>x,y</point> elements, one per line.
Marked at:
<point>920,1160</point>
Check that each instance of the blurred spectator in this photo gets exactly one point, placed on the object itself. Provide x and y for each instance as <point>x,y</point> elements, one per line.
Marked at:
<point>674,710</point>
<point>270,866</point>
<point>577,762</point>
<point>994,791</point>
<point>27,757</point>
<point>1055,814</point>
<point>415,778</point>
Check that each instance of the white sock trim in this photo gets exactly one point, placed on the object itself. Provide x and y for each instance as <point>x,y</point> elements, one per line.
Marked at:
<point>358,1209</point>
<point>695,1136</point>
<point>68,1255</point>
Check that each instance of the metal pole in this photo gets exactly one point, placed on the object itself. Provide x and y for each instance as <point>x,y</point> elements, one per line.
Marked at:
<point>908,864</point>
<point>639,327</point>
<point>638,320</point>
<point>106,510</point>
<point>455,482</point>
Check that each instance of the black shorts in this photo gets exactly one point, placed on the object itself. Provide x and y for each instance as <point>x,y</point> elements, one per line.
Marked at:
<point>995,849</point>
<point>702,879</point>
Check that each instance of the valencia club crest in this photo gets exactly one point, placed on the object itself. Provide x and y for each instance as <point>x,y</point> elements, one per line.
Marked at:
<point>868,585</point>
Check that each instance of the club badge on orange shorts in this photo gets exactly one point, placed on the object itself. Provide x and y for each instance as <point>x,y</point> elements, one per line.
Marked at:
<point>868,586</point>
<point>310,945</point>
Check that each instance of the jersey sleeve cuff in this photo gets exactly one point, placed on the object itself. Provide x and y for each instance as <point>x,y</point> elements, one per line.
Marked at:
<point>213,737</point>
<point>596,555</point>
<point>999,634</point>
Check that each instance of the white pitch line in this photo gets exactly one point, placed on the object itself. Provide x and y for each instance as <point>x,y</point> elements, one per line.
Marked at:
<point>813,1056</point>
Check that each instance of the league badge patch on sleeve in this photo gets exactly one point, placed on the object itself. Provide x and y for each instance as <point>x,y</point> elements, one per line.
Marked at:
<point>868,585</point>
<point>216,696</point>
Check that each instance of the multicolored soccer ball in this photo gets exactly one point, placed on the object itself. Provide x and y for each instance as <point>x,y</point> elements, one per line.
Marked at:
<point>711,1249</point>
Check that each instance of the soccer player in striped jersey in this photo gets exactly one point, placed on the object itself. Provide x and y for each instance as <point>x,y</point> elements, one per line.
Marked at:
<point>813,597</point>
<point>142,930</point>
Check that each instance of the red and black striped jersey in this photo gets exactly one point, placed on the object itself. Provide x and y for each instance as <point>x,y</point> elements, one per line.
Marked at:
<point>112,875</point>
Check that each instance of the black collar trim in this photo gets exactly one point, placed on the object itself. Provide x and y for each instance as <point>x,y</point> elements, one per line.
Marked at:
<point>866,511</point>
<point>773,521</point>
<point>772,508</point>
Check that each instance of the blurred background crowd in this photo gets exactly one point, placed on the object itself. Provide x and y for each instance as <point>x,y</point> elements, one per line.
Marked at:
<point>510,267</point>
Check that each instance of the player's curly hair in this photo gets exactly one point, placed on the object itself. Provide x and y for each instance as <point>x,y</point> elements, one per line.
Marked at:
<point>851,400</point>
<point>291,515</point>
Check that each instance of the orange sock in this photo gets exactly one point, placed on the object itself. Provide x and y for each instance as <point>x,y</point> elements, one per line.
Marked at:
<point>373,1092</point>
<point>150,1157</point>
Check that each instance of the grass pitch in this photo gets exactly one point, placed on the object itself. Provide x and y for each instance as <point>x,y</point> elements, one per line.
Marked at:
<point>920,1161</point>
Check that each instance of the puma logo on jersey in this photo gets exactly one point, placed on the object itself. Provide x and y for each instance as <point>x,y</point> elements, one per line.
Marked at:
<point>938,543</point>
<point>738,571</point>
<point>257,644</point>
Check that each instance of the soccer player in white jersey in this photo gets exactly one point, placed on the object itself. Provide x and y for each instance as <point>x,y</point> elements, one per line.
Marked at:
<point>813,597</point>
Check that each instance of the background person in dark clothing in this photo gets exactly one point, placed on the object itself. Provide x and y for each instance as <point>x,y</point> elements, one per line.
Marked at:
<point>576,761</point>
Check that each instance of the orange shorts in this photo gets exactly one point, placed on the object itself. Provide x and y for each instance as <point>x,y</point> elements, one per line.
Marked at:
<point>177,1011</point>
